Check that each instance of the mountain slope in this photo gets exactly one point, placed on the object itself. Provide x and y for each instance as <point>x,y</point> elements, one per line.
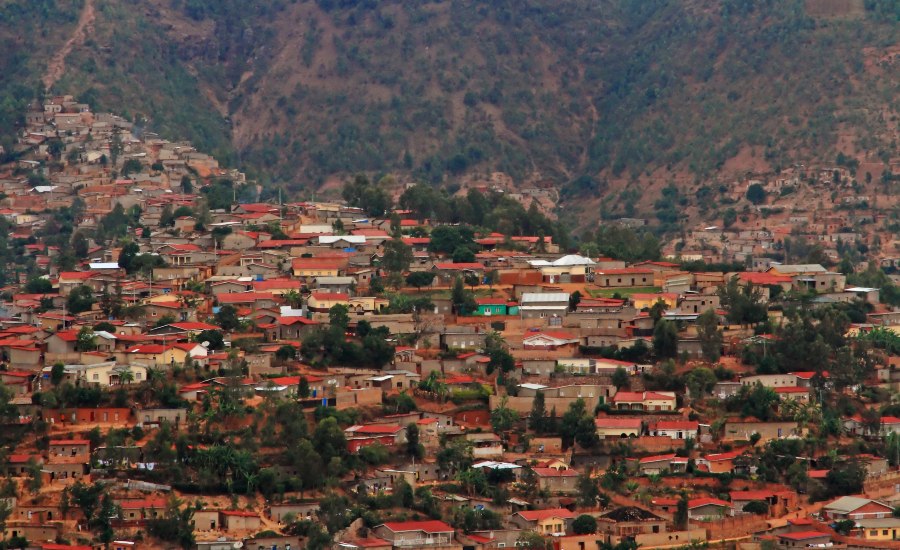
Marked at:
<point>622,92</point>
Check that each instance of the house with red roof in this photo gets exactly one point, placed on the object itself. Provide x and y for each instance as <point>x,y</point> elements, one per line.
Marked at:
<point>139,509</point>
<point>624,277</point>
<point>675,429</point>
<point>62,342</point>
<point>645,401</point>
<point>616,427</point>
<point>657,464</point>
<point>294,327</point>
<point>416,534</point>
<point>804,539</point>
<point>389,435</point>
<point>719,463</point>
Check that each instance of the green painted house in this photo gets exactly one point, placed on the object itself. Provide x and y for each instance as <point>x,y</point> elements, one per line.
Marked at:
<point>496,306</point>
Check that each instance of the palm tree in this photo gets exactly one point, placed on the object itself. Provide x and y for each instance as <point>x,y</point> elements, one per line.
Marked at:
<point>126,376</point>
<point>293,298</point>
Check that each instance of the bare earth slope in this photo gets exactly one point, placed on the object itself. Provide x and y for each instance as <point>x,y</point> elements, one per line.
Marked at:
<point>598,97</point>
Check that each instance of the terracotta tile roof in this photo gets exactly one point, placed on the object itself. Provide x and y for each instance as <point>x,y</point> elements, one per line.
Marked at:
<point>538,515</point>
<point>432,526</point>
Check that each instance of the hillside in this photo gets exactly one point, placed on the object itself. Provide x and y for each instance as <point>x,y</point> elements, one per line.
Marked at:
<point>593,96</point>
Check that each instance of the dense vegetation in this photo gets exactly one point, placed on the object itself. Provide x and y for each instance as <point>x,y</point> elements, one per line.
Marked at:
<point>577,91</point>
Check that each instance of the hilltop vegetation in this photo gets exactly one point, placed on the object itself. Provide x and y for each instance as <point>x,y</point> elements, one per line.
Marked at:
<point>581,92</point>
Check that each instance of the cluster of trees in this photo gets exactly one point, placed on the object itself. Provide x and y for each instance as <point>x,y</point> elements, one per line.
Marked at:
<point>814,339</point>
<point>622,243</point>
<point>490,211</point>
<point>328,345</point>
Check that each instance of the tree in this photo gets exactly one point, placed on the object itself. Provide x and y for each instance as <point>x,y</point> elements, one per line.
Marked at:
<point>308,463</point>
<point>286,352</point>
<point>709,335</point>
<point>187,187</point>
<point>843,527</point>
<point>620,378</point>
<point>84,340</point>
<point>446,238</point>
<point>756,193</point>
<point>215,338</point>
<point>758,507</point>
<point>729,217</point>
<point>758,402</point>
<point>419,279</point>
<point>700,381</point>
<point>848,479</point>
<point>175,526</point>
<point>588,491</point>
<point>35,478</point>
<point>329,439</point>
<point>131,166</point>
<point>166,216</point>
<point>57,373</point>
<point>373,199</point>
<point>680,518</point>
<point>414,449</point>
<point>463,300</point>
<point>574,300</point>
<point>744,303</point>
<point>577,426</point>
<point>531,540</point>
<point>397,256</point>
<point>55,148</point>
<point>463,255</point>
<point>303,388</point>
<point>584,525</point>
<point>38,285</point>
<point>499,358</point>
<point>665,339</point>
<point>80,299</point>
<point>537,419</point>
<point>227,318</point>
<point>502,417</point>
<point>339,317</point>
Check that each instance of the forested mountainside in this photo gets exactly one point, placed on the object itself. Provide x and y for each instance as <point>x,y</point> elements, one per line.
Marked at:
<point>588,94</point>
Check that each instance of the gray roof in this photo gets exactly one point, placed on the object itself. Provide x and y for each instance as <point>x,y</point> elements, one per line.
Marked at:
<point>334,280</point>
<point>545,297</point>
<point>799,268</point>
<point>848,504</point>
<point>875,523</point>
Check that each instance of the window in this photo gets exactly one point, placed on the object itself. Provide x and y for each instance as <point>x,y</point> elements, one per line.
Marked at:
<point>873,533</point>
<point>96,376</point>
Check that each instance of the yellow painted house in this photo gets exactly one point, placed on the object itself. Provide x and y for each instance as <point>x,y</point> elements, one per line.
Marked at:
<point>311,267</point>
<point>646,301</point>
<point>545,522</point>
<point>321,302</point>
<point>879,528</point>
<point>155,355</point>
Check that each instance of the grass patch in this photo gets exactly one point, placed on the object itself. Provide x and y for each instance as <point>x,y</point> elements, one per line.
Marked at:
<point>625,291</point>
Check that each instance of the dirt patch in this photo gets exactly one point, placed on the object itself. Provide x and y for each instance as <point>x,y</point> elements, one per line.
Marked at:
<point>83,29</point>
<point>835,8</point>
